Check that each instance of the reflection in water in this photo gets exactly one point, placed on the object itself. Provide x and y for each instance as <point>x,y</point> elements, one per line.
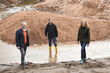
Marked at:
<point>52,59</point>
<point>10,54</point>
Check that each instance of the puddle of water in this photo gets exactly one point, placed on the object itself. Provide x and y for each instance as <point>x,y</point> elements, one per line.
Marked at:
<point>10,54</point>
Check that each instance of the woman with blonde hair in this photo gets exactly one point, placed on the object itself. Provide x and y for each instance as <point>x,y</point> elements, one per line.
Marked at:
<point>84,39</point>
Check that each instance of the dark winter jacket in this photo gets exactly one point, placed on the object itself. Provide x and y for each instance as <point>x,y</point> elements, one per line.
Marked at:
<point>51,30</point>
<point>20,38</point>
<point>84,34</point>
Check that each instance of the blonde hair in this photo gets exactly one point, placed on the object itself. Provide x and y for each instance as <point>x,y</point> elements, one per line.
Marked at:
<point>84,21</point>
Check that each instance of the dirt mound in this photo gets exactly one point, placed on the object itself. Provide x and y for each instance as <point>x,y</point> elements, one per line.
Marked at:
<point>77,8</point>
<point>67,27</point>
<point>38,21</point>
<point>56,6</point>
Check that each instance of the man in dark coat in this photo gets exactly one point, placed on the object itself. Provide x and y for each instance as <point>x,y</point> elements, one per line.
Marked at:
<point>22,41</point>
<point>52,33</point>
<point>84,38</point>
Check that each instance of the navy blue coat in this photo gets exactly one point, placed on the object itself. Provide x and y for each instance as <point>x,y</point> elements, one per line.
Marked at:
<point>20,38</point>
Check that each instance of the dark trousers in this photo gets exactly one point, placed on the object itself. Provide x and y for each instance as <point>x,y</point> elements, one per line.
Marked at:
<point>83,50</point>
<point>23,53</point>
<point>52,40</point>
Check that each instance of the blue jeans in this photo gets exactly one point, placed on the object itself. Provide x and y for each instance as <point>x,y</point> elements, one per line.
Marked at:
<point>52,40</point>
<point>83,50</point>
<point>23,53</point>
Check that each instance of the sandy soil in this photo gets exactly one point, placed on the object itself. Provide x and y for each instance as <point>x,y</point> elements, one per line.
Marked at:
<point>76,8</point>
<point>67,27</point>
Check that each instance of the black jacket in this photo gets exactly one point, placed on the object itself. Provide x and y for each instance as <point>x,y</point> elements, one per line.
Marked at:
<point>84,34</point>
<point>51,30</point>
<point>20,38</point>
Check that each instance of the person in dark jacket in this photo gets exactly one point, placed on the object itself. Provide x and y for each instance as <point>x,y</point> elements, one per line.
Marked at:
<point>51,33</point>
<point>22,41</point>
<point>84,39</point>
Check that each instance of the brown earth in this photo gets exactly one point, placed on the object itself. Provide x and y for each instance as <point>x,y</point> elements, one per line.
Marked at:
<point>77,8</point>
<point>92,66</point>
<point>67,27</point>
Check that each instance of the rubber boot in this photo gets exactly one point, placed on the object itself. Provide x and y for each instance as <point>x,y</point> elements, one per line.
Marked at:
<point>50,54</point>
